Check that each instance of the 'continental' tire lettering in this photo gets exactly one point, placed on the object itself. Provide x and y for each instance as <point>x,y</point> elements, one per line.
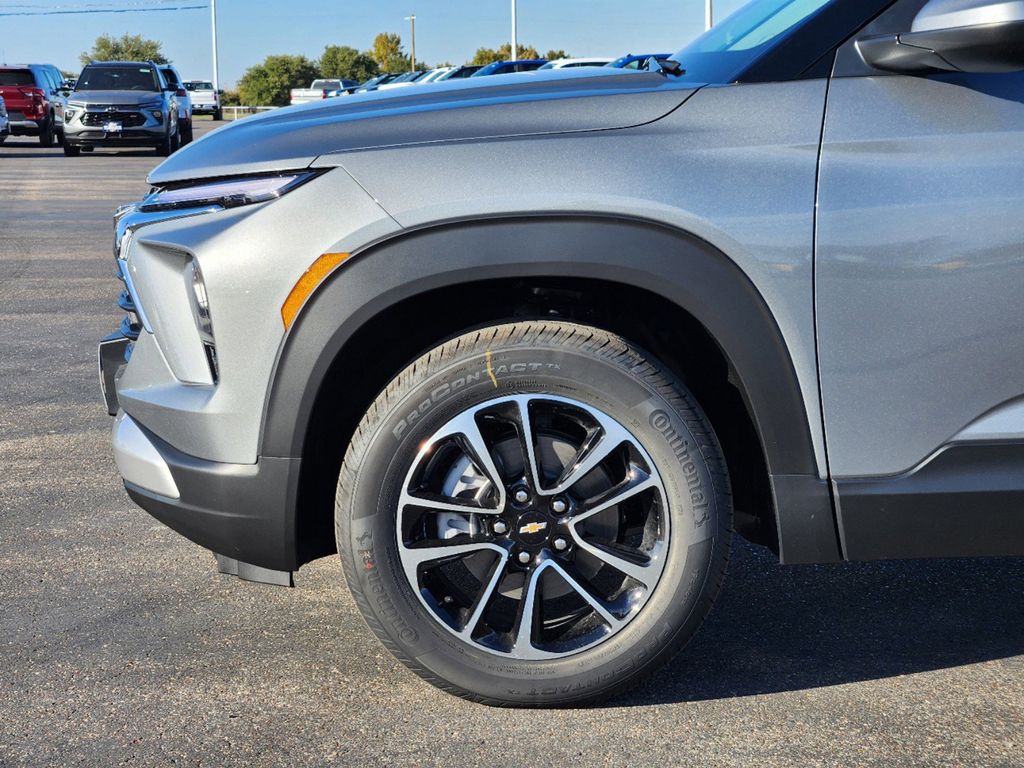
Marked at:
<point>681,448</point>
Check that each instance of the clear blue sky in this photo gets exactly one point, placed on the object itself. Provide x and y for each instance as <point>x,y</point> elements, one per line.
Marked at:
<point>446,30</point>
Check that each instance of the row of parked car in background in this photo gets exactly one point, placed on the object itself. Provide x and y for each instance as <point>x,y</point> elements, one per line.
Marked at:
<point>326,88</point>
<point>111,104</point>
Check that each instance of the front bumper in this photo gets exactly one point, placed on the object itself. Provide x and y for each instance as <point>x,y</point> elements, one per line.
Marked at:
<point>129,137</point>
<point>244,512</point>
<point>205,428</point>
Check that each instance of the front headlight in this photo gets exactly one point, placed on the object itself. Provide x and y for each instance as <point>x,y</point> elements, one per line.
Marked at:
<point>227,193</point>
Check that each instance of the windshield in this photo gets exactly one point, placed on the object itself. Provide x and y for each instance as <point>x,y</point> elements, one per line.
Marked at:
<point>101,77</point>
<point>725,50</point>
<point>199,86</point>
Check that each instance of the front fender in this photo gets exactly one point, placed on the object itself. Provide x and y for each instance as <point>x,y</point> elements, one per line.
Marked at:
<point>675,265</point>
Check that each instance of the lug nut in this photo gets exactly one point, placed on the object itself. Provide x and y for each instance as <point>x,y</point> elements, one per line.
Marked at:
<point>524,557</point>
<point>500,527</point>
<point>522,496</point>
<point>561,544</point>
<point>559,506</point>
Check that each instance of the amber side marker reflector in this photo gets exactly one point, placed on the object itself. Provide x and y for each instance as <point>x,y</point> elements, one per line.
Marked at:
<point>310,279</point>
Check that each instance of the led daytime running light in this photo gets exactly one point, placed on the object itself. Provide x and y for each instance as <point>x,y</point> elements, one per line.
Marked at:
<point>229,193</point>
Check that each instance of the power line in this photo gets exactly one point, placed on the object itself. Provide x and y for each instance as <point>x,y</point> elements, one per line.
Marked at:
<point>84,4</point>
<point>71,11</point>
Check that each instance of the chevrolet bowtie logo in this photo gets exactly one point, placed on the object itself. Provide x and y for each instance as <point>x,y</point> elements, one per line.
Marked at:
<point>531,528</point>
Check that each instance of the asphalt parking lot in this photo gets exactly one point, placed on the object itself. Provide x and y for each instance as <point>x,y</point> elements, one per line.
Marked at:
<point>119,643</point>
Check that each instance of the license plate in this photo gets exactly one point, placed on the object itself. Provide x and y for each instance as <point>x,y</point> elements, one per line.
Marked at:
<point>112,127</point>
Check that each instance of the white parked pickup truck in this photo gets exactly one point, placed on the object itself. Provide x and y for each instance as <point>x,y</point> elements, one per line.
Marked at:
<point>205,100</point>
<point>321,89</point>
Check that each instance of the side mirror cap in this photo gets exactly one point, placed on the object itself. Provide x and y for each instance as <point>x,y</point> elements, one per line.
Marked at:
<point>953,36</point>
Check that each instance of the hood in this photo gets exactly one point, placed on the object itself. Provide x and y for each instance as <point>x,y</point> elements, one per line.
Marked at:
<point>528,103</point>
<point>116,98</point>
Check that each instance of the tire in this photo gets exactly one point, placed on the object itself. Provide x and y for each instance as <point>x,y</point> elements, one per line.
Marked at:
<point>218,114</point>
<point>70,151</point>
<point>168,146</point>
<point>46,134</point>
<point>186,134</point>
<point>574,382</point>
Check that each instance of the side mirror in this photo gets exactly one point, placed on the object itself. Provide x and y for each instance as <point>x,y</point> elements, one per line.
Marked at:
<point>665,67</point>
<point>953,36</point>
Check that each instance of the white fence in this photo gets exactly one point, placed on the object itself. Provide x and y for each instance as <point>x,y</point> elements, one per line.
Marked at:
<point>234,113</point>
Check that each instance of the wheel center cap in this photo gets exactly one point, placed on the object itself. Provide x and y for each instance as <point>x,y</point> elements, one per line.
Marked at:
<point>533,528</point>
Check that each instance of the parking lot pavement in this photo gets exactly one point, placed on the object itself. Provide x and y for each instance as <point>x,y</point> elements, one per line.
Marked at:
<point>119,643</point>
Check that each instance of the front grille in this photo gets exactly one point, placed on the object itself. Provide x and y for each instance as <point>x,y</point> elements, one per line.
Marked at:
<point>126,119</point>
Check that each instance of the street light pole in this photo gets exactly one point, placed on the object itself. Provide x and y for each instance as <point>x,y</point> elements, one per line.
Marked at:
<point>412,57</point>
<point>213,25</point>
<point>709,16</point>
<point>515,33</point>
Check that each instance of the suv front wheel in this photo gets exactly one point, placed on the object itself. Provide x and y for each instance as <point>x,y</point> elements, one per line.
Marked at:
<point>169,145</point>
<point>534,514</point>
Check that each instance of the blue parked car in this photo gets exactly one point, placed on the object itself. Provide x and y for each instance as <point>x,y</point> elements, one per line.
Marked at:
<point>505,67</point>
<point>632,61</point>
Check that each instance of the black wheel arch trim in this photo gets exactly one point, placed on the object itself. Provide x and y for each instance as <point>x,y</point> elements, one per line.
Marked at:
<point>604,247</point>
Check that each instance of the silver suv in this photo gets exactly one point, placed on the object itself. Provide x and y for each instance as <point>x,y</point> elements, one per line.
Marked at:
<point>528,349</point>
<point>121,104</point>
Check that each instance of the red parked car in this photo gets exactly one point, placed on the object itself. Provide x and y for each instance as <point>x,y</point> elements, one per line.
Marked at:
<point>35,101</point>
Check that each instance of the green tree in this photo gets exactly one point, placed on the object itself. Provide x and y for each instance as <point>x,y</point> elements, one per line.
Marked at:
<point>522,52</point>
<point>124,48</point>
<point>387,51</point>
<point>484,56</point>
<point>342,62</point>
<point>559,54</point>
<point>268,84</point>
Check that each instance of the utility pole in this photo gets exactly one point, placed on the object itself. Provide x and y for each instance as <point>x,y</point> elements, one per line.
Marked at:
<point>709,16</point>
<point>515,33</point>
<point>213,25</point>
<point>412,57</point>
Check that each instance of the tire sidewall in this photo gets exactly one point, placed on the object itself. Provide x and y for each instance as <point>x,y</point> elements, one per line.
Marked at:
<point>684,460</point>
